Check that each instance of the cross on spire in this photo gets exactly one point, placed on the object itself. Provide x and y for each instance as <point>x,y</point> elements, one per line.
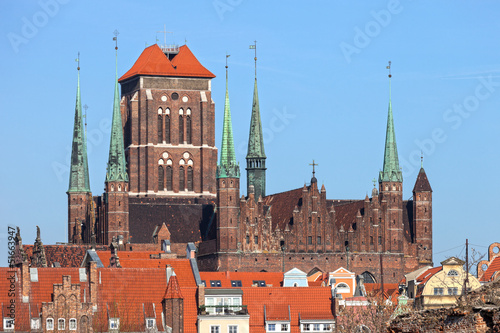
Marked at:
<point>164,32</point>
<point>313,165</point>
<point>374,182</point>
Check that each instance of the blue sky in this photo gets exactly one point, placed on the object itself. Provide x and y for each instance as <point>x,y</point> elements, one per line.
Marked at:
<point>323,91</point>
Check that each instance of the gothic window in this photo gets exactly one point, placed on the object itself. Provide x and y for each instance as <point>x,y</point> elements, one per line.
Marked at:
<point>256,239</point>
<point>49,324</point>
<point>167,128</point>
<point>181,129</point>
<point>169,178</point>
<point>319,240</point>
<point>379,240</point>
<point>371,240</point>
<point>188,129</point>
<point>255,220</point>
<point>182,184</point>
<point>161,182</point>
<point>309,240</point>
<point>72,324</point>
<point>190,178</point>
<point>160,128</point>
<point>319,219</point>
<point>248,239</point>
<point>61,324</point>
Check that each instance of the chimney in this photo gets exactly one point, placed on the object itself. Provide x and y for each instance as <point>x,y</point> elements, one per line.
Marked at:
<point>93,284</point>
<point>169,271</point>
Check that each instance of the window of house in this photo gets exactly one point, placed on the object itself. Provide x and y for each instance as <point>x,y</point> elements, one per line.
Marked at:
<point>167,129</point>
<point>35,323</point>
<point>181,129</point>
<point>215,329</point>
<point>271,327</point>
<point>72,324</point>
<point>235,283</point>
<point>327,327</point>
<point>452,272</point>
<point>150,322</point>
<point>316,327</point>
<point>114,323</point>
<point>284,327</point>
<point>256,239</point>
<point>232,329</point>
<point>182,184</point>
<point>259,283</point>
<point>306,327</point>
<point>190,179</point>
<point>379,240</point>
<point>61,324</point>
<point>309,240</point>
<point>319,240</point>
<point>49,325</point>
<point>438,291</point>
<point>453,291</point>
<point>215,283</point>
<point>319,219</point>
<point>310,219</point>
<point>8,323</point>
<point>203,283</point>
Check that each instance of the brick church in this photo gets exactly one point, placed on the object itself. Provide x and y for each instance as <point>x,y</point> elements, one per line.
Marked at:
<point>164,183</point>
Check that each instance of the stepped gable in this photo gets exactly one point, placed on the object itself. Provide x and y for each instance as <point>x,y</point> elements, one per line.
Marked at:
<point>493,267</point>
<point>153,62</point>
<point>282,206</point>
<point>42,290</point>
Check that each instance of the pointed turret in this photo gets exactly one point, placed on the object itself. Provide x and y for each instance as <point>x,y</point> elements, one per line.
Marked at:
<point>117,167</point>
<point>391,171</point>
<point>256,157</point>
<point>79,169</point>
<point>228,167</point>
<point>422,184</point>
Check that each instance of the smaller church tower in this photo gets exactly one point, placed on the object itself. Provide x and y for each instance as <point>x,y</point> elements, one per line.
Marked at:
<point>117,181</point>
<point>228,185</point>
<point>391,187</point>
<point>256,157</point>
<point>79,195</point>
<point>422,217</point>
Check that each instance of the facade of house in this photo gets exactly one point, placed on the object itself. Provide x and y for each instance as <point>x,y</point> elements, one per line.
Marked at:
<point>489,270</point>
<point>441,286</point>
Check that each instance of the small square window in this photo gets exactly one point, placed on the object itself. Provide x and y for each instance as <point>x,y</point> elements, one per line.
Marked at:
<point>236,283</point>
<point>150,323</point>
<point>233,329</point>
<point>114,323</point>
<point>215,283</point>
<point>8,323</point>
<point>284,327</point>
<point>214,329</point>
<point>271,327</point>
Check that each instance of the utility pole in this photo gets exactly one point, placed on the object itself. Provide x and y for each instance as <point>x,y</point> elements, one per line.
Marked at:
<point>466,281</point>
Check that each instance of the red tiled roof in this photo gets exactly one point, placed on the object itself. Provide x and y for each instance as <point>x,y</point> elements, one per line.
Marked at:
<point>310,302</point>
<point>173,289</point>
<point>426,275</point>
<point>271,278</point>
<point>282,206</point>
<point>391,290</point>
<point>21,309</point>
<point>68,255</point>
<point>42,290</point>
<point>154,62</point>
<point>346,214</point>
<point>493,267</point>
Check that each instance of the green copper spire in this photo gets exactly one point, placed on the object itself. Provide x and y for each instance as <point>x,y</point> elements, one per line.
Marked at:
<point>256,157</point>
<point>117,167</point>
<point>79,169</point>
<point>391,171</point>
<point>228,167</point>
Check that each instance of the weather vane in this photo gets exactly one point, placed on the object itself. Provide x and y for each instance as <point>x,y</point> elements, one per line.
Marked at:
<point>254,47</point>
<point>389,68</point>
<point>116,33</point>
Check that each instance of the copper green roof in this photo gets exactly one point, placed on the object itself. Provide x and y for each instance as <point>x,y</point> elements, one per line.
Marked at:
<point>79,169</point>
<point>391,171</point>
<point>228,167</point>
<point>117,166</point>
<point>256,137</point>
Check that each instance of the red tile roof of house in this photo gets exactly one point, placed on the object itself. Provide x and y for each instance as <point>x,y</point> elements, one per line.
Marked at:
<point>173,289</point>
<point>21,309</point>
<point>391,290</point>
<point>42,290</point>
<point>68,255</point>
<point>153,62</point>
<point>493,267</point>
<point>283,205</point>
<point>310,302</point>
<point>271,278</point>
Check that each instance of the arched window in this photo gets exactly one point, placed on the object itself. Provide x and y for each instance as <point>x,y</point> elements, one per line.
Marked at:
<point>188,129</point>
<point>167,128</point>
<point>181,129</point>
<point>452,272</point>
<point>61,324</point>
<point>161,182</point>
<point>182,184</point>
<point>160,128</point>
<point>342,288</point>
<point>190,178</point>
<point>49,324</point>
<point>169,178</point>
<point>369,278</point>
<point>72,324</point>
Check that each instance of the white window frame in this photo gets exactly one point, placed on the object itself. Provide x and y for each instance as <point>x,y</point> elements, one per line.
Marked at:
<point>49,327</point>
<point>114,322</point>
<point>287,328</point>
<point>306,327</point>
<point>316,327</point>
<point>59,321</point>
<point>9,324</point>
<point>273,325</point>
<point>453,272</point>
<point>73,321</point>
<point>35,323</point>
<point>212,303</point>
<point>150,321</point>
<point>215,329</point>
<point>234,327</point>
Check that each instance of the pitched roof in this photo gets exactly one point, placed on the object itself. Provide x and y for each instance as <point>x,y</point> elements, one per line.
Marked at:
<point>493,267</point>
<point>42,290</point>
<point>310,303</point>
<point>271,278</point>
<point>282,206</point>
<point>68,255</point>
<point>153,62</point>
<point>422,184</point>
<point>391,290</point>
<point>173,289</point>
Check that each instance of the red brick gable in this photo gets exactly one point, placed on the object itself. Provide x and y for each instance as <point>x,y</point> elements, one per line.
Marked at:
<point>493,267</point>
<point>154,62</point>
<point>282,206</point>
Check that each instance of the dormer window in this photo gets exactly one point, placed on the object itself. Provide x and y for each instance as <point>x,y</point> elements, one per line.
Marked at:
<point>35,323</point>
<point>236,283</point>
<point>114,323</point>
<point>150,322</point>
<point>215,283</point>
<point>8,324</point>
<point>259,283</point>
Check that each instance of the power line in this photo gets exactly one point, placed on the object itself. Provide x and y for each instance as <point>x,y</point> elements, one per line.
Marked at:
<point>456,247</point>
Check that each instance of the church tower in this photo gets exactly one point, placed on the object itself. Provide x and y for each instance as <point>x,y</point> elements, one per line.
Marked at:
<point>228,186</point>
<point>422,217</point>
<point>79,195</point>
<point>117,181</point>
<point>391,188</point>
<point>256,157</point>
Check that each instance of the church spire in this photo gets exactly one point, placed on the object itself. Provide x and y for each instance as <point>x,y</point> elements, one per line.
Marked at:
<point>117,167</point>
<point>79,169</point>
<point>256,157</point>
<point>391,171</point>
<point>228,167</point>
